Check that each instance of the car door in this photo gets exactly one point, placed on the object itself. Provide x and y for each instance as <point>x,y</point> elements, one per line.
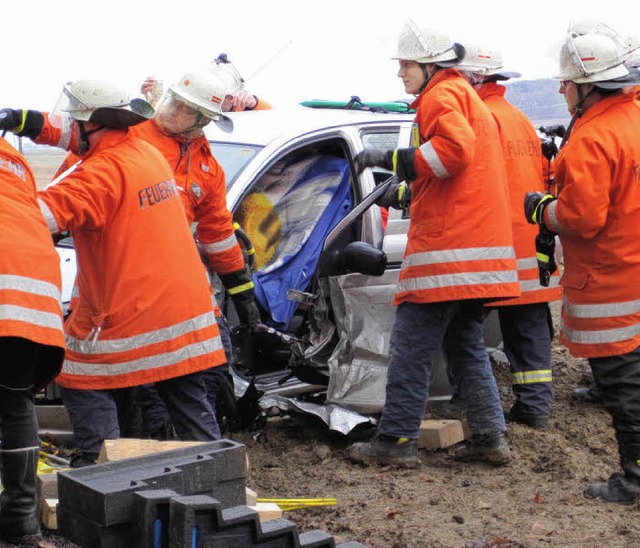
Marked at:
<point>362,304</point>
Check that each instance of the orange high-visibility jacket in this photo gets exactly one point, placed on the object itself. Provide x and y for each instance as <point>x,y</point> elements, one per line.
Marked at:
<point>200,180</point>
<point>459,242</point>
<point>597,215</point>
<point>144,311</point>
<point>29,265</point>
<point>523,161</point>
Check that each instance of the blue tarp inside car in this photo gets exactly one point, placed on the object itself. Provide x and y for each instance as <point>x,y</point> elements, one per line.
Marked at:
<point>317,198</point>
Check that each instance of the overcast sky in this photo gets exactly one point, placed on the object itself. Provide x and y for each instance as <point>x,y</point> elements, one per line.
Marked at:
<point>287,51</point>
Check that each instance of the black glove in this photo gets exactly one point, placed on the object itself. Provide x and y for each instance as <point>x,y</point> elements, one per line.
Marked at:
<point>239,286</point>
<point>545,254</point>
<point>400,160</point>
<point>373,158</point>
<point>397,196</point>
<point>534,205</point>
<point>549,148</point>
<point>24,123</point>
<point>10,118</point>
<point>247,309</point>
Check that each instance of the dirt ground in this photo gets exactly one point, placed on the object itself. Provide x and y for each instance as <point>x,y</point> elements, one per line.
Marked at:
<point>535,501</point>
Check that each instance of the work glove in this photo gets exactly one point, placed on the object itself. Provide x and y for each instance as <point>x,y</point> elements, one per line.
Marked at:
<point>373,157</point>
<point>10,119</point>
<point>534,205</point>
<point>247,309</point>
<point>400,160</point>
<point>545,254</point>
<point>239,286</point>
<point>397,196</point>
<point>24,123</point>
<point>549,149</point>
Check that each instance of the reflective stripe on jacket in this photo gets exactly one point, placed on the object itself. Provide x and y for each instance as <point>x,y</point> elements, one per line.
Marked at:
<point>30,273</point>
<point>459,241</point>
<point>597,215</point>
<point>144,310</point>
<point>523,161</point>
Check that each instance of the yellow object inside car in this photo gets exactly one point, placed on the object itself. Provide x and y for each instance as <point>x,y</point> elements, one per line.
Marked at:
<point>257,216</point>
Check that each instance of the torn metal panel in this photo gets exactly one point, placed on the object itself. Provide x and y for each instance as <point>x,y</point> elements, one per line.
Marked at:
<point>358,365</point>
<point>337,418</point>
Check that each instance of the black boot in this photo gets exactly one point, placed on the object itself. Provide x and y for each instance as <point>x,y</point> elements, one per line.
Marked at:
<point>400,452</point>
<point>617,488</point>
<point>490,448</point>
<point>587,395</point>
<point>621,488</point>
<point>18,500</point>
<point>532,420</point>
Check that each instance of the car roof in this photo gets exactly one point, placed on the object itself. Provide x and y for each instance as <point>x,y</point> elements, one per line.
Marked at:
<point>261,127</point>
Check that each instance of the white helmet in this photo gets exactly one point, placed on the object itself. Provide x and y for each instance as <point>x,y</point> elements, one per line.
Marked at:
<point>424,45</point>
<point>592,26</point>
<point>202,91</point>
<point>591,58</point>
<point>633,60</point>
<point>99,102</point>
<point>227,72</point>
<point>479,60</point>
<point>628,47</point>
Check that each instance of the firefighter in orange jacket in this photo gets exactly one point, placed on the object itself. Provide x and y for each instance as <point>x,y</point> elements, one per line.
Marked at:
<point>525,322</point>
<point>31,339</point>
<point>459,253</point>
<point>597,216</point>
<point>177,133</point>
<point>144,312</point>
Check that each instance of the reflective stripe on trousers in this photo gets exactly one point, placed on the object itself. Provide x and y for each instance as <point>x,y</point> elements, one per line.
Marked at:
<point>526,334</point>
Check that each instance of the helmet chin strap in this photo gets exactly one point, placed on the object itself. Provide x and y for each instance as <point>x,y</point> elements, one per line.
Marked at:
<point>581,99</point>
<point>427,76</point>
<point>578,111</point>
<point>84,143</point>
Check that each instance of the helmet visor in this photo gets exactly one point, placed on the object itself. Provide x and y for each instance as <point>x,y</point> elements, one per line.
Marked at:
<point>68,107</point>
<point>230,76</point>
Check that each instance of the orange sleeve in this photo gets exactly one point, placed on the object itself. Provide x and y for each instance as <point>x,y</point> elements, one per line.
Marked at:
<point>261,105</point>
<point>82,199</point>
<point>583,203</point>
<point>215,224</point>
<point>449,145</point>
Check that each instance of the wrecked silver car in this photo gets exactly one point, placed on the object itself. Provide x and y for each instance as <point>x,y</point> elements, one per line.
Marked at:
<point>326,263</point>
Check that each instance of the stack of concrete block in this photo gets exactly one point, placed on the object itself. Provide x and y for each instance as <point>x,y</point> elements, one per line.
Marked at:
<point>189,497</point>
<point>96,504</point>
<point>166,519</point>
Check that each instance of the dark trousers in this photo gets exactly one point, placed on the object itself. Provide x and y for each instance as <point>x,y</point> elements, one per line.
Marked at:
<point>526,333</point>
<point>419,332</point>
<point>155,415</point>
<point>618,378</point>
<point>18,419</point>
<point>26,366</point>
<point>94,413</point>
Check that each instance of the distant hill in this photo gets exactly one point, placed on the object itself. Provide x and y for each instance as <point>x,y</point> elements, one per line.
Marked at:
<point>539,100</point>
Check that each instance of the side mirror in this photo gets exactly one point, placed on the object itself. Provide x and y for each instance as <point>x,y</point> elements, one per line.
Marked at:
<point>355,257</point>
